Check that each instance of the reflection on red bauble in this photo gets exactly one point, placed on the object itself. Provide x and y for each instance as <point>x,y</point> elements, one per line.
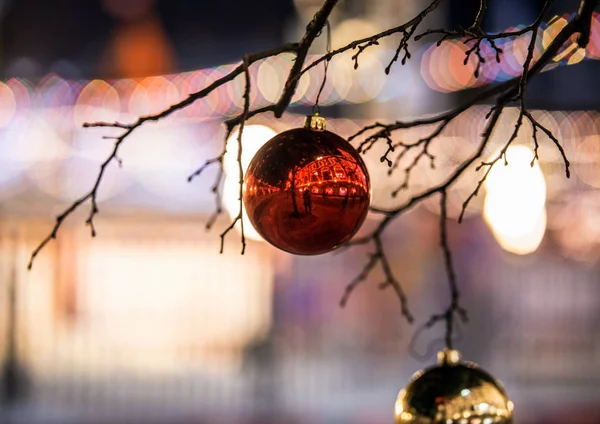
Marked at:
<point>307,190</point>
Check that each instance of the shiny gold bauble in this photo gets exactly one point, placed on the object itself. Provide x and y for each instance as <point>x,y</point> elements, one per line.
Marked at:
<point>453,392</point>
<point>307,190</point>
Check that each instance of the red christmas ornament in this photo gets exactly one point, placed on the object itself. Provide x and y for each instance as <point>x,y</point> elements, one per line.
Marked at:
<point>307,190</point>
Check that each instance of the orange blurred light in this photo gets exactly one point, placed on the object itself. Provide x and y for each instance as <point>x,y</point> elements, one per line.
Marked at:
<point>8,105</point>
<point>462,74</point>
<point>98,101</point>
<point>152,95</point>
<point>20,93</point>
<point>438,67</point>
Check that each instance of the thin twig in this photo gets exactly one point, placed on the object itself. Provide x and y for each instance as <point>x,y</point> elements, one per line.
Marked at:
<point>313,30</point>
<point>402,46</point>
<point>244,116</point>
<point>375,258</point>
<point>91,196</point>
<point>454,307</point>
<point>475,35</point>
<point>480,13</point>
<point>373,40</point>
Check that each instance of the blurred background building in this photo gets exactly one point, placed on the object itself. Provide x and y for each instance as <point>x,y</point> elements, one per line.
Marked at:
<point>149,323</point>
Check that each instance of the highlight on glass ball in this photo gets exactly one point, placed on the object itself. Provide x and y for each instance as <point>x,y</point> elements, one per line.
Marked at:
<point>453,392</point>
<point>307,190</point>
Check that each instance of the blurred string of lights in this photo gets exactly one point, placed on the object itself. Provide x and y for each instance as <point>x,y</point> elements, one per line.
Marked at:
<point>76,102</point>
<point>443,68</point>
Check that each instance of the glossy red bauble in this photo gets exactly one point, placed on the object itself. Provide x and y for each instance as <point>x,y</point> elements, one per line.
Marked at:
<point>307,191</point>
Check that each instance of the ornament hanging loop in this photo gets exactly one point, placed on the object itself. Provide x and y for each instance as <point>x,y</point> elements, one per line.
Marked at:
<point>316,108</point>
<point>315,122</point>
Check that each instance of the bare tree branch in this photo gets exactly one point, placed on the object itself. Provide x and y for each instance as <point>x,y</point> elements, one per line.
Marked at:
<point>91,196</point>
<point>507,92</point>
<point>500,95</point>
<point>299,49</point>
<point>585,14</point>
<point>216,186</point>
<point>480,14</point>
<point>475,35</point>
<point>373,40</point>
<point>454,307</point>
<point>522,87</point>
<point>313,30</point>
<point>379,257</point>
<point>243,117</point>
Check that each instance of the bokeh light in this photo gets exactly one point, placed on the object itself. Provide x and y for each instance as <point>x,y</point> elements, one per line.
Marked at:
<point>8,105</point>
<point>98,101</point>
<point>33,142</point>
<point>152,95</point>
<point>270,81</point>
<point>218,100</point>
<point>20,92</point>
<point>369,78</point>
<point>587,158</point>
<point>593,48</point>
<point>253,138</point>
<point>515,203</point>
<point>159,158</point>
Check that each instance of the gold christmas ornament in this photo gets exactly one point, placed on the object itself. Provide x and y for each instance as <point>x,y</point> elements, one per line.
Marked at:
<point>453,392</point>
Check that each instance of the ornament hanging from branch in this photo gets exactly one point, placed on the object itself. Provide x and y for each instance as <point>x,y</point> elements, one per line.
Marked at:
<point>307,190</point>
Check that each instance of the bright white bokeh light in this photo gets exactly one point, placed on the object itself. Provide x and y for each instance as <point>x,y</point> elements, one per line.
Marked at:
<point>253,138</point>
<point>515,203</point>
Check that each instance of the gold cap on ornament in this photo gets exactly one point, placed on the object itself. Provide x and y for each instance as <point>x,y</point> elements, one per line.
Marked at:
<point>315,122</point>
<point>448,357</point>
